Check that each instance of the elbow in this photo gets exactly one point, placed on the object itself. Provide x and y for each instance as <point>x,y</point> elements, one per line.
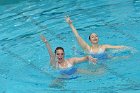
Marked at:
<point>87,57</point>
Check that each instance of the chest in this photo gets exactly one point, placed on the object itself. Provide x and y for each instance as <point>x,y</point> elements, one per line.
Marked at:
<point>97,50</point>
<point>65,65</point>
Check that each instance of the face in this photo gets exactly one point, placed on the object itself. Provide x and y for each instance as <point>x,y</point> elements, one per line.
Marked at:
<point>93,38</point>
<point>60,55</point>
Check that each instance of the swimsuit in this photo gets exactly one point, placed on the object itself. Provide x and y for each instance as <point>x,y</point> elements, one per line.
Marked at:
<point>69,70</point>
<point>100,55</point>
<point>68,65</point>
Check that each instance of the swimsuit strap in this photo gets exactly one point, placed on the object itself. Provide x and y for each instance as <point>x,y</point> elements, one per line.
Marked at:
<point>99,51</point>
<point>68,65</point>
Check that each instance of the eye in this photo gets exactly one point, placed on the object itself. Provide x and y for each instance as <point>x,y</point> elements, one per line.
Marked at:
<point>57,54</point>
<point>62,53</point>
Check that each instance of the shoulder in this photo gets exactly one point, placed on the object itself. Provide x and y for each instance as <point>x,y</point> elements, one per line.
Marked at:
<point>106,46</point>
<point>89,49</point>
<point>71,60</point>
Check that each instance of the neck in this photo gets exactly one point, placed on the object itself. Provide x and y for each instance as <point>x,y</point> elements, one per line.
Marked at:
<point>95,45</point>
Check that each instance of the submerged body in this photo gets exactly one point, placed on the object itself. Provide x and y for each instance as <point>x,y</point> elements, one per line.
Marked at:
<point>68,71</point>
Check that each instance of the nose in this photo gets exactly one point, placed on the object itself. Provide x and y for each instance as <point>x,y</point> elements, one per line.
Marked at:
<point>60,55</point>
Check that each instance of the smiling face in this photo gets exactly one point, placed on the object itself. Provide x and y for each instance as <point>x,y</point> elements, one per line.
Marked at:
<point>93,38</point>
<point>59,53</point>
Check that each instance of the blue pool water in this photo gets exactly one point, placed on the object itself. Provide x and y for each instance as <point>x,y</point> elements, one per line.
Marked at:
<point>24,60</point>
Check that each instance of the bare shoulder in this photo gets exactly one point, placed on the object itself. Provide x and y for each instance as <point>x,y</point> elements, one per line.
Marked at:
<point>71,60</point>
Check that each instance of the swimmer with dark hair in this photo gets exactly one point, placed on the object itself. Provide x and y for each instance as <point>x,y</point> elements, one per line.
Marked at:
<point>95,50</point>
<point>65,66</point>
<point>58,61</point>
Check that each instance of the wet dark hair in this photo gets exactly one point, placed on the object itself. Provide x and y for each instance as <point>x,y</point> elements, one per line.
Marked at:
<point>58,49</point>
<point>89,37</point>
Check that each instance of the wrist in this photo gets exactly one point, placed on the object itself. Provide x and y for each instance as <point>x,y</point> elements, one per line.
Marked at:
<point>45,42</point>
<point>87,57</point>
<point>70,23</point>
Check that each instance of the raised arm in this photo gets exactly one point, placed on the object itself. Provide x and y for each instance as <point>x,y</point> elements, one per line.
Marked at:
<point>82,43</point>
<point>52,56</point>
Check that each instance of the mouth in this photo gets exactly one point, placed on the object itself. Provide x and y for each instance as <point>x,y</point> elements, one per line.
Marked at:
<point>95,40</point>
<point>59,58</point>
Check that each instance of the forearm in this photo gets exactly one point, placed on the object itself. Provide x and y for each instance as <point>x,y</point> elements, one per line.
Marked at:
<point>86,58</point>
<point>74,30</point>
<point>49,49</point>
<point>82,59</point>
<point>81,42</point>
<point>119,47</point>
<point>115,47</point>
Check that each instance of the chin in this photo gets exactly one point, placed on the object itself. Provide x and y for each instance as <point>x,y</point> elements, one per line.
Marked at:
<point>94,42</point>
<point>59,60</point>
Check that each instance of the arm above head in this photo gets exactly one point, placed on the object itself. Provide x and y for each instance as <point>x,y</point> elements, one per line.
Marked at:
<point>82,43</point>
<point>52,56</point>
<point>113,47</point>
<point>83,59</point>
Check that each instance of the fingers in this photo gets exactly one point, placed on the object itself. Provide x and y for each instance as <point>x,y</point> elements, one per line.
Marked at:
<point>92,59</point>
<point>67,16</point>
<point>68,20</point>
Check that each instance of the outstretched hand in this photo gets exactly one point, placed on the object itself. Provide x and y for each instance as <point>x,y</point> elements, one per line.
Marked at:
<point>43,38</point>
<point>68,20</point>
<point>91,59</point>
